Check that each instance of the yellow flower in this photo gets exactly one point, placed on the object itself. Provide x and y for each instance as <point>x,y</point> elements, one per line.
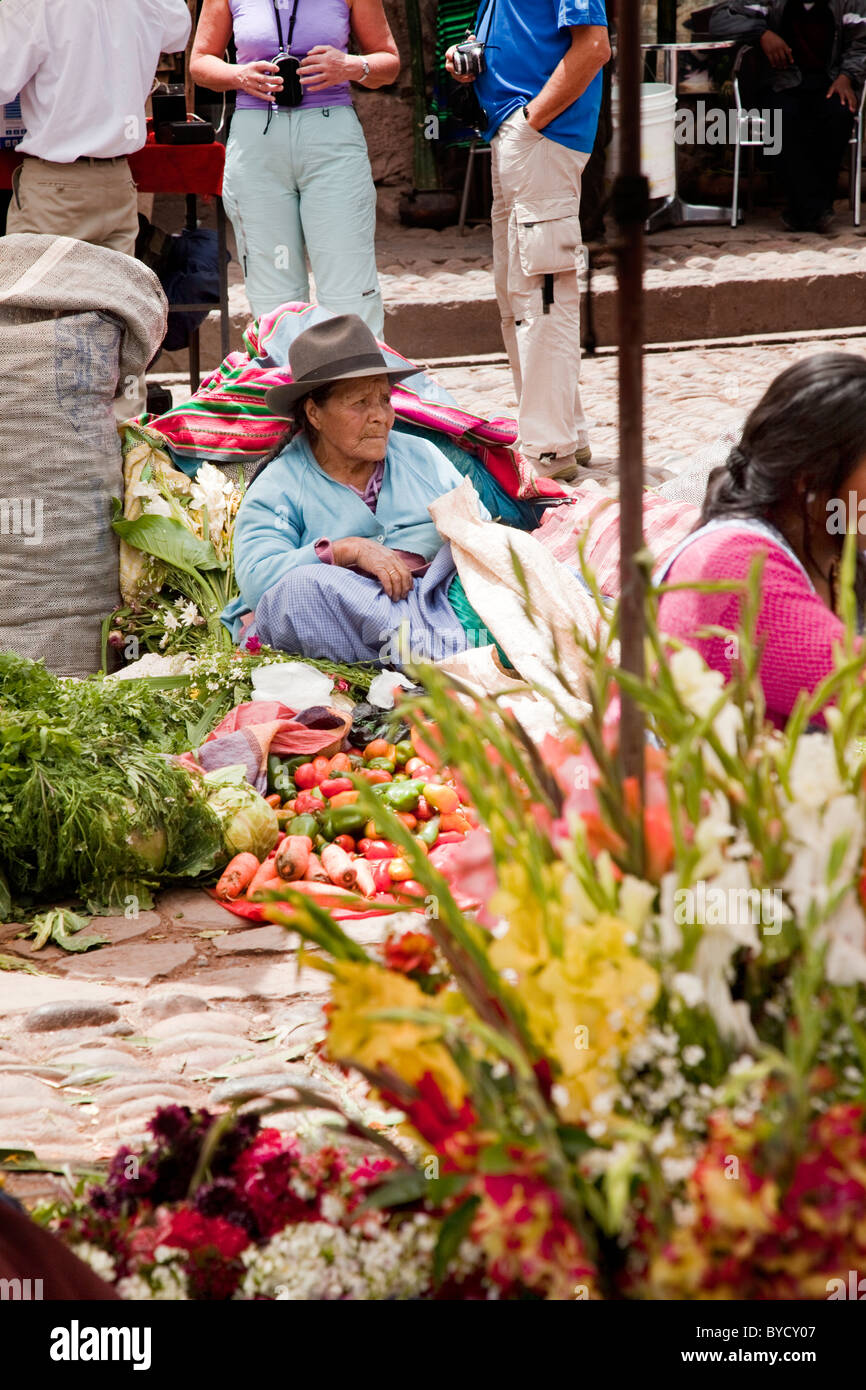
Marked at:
<point>585,1006</point>
<point>409,1049</point>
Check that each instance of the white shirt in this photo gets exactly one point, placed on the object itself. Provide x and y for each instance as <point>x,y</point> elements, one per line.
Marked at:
<point>84,69</point>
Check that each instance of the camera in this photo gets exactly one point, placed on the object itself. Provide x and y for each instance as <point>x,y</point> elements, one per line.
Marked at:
<point>292,93</point>
<point>468,57</point>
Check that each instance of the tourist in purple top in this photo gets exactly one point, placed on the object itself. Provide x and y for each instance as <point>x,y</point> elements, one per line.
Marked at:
<point>297,181</point>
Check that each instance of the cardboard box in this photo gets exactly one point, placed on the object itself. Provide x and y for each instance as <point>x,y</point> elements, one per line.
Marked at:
<point>12,127</point>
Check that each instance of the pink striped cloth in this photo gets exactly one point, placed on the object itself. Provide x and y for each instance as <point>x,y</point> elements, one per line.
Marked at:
<point>592,516</point>
<point>228,421</point>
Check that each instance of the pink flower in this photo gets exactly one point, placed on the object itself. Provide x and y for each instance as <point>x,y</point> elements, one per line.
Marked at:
<point>470,869</point>
<point>190,1230</point>
<point>253,644</point>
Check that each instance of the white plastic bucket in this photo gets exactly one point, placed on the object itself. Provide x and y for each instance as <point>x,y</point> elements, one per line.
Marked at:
<point>657,149</point>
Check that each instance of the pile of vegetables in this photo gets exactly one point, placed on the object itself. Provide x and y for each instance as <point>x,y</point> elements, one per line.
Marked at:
<point>93,806</point>
<point>330,847</point>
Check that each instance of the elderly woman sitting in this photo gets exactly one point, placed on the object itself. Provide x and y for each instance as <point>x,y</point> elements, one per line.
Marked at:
<point>335,552</point>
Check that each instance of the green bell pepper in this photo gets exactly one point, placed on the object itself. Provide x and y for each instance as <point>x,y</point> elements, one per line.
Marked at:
<point>400,796</point>
<point>304,825</point>
<point>429,832</point>
<point>343,820</point>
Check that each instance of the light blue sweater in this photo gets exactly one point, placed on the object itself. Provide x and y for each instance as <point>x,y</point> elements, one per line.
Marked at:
<point>295,503</point>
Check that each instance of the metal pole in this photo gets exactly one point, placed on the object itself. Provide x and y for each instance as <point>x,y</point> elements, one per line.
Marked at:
<point>630,202</point>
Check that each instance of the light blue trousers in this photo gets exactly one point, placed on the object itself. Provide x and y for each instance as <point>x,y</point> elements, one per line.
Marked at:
<point>304,189</point>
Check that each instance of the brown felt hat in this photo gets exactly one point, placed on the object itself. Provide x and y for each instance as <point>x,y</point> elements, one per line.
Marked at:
<point>339,348</point>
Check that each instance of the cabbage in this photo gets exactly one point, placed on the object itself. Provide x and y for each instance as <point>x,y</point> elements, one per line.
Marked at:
<point>248,823</point>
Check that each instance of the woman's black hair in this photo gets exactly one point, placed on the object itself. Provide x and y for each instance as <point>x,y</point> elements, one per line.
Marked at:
<point>299,422</point>
<point>809,427</point>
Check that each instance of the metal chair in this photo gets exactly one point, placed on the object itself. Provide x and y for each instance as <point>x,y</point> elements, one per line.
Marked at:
<point>476,147</point>
<point>745,76</point>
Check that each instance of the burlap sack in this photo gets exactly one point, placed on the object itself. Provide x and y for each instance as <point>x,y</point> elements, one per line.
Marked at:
<point>78,324</point>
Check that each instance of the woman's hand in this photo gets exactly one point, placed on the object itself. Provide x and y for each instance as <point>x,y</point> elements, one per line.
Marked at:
<point>392,573</point>
<point>260,79</point>
<point>326,66</point>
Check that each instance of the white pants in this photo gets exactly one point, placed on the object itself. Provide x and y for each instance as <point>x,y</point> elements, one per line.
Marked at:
<point>536,241</point>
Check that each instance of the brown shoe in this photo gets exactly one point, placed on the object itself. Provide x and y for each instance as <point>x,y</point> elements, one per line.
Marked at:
<point>564,468</point>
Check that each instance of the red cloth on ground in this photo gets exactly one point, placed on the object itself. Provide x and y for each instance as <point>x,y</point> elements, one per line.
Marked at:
<point>796,628</point>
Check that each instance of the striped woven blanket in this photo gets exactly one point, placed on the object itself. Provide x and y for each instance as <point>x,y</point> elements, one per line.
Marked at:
<point>227,420</point>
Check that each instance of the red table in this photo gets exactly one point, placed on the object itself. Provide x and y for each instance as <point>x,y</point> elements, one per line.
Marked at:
<point>194,171</point>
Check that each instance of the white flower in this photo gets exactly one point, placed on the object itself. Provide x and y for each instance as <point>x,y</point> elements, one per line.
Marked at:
<point>699,688</point>
<point>187,612</point>
<point>815,776</point>
<point>635,901</point>
<point>845,929</point>
<point>170,620</point>
<point>693,1055</point>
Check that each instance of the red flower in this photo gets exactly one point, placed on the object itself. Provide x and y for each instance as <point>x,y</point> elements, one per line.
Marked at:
<point>414,950</point>
<point>191,1231</point>
<point>434,1117</point>
<point>253,644</point>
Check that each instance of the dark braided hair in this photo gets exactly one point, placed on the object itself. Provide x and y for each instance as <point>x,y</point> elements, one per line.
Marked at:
<point>809,427</point>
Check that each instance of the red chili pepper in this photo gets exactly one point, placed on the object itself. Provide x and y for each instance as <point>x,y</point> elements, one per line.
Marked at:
<point>380,849</point>
<point>424,811</point>
<point>332,786</point>
<point>375,775</point>
<point>274,800</point>
<point>450,837</point>
<point>381,877</point>
<point>345,842</point>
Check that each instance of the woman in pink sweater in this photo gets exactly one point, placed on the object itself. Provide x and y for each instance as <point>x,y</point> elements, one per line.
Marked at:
<point>786,493</point>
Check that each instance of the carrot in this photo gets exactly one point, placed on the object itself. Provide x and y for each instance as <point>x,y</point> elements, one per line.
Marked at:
<point>325,894</point>
<point>293,856</point>
<point>237,874</point>
<point>315,873</point>
<point>364,878</point>
<point>266,876</point>
<point>338,866</point>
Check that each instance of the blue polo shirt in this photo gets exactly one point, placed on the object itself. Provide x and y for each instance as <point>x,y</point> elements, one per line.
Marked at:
<point>527,39</point>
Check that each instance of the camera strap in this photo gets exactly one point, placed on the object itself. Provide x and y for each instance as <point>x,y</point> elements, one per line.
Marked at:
<point>287,48</point>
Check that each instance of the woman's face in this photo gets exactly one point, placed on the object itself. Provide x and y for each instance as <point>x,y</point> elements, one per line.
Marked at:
<point>356,419</point>
<point>846,512</point>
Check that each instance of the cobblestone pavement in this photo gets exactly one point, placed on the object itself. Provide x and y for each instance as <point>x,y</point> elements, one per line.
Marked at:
<point>425,265</point>
<point>189,1003</point>
<point>420,266</point>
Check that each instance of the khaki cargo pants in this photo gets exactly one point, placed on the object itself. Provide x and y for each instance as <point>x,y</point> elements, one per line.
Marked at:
<point>93,201</point>
<point>536,244</point>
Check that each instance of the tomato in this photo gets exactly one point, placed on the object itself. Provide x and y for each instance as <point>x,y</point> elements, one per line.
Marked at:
<point>363,844</point>
<point>305,777</point>
<point>309,802</point>
<point>346,842</point>
<point>423,810</point>
<point>399,869</point>
<point>404,751</point>
<point>380,748</point>
<point>408,819</point>
<point>413,765</point>
<point>443,798</point>
<point>381,876</point>
<point>376,775</point>
<point>411,888</point>
<point>454,821</point>
<point>449,837</point>
<point>346,798</point>
<point>321,768</point>
<point>340,763</point>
